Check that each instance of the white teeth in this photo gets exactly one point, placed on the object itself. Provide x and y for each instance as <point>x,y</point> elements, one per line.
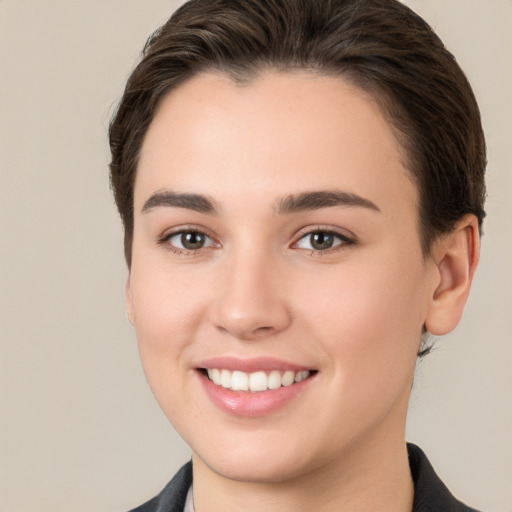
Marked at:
<point>274,380</point>
<point>216,376</point>
<point>257,381</point>
<point>239,381</point>
<point>288,378</point>
<point>301,375</point>
<point>225,378</point>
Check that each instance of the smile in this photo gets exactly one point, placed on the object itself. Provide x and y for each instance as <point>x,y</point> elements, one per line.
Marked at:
<point>254,382</point>
<point>253,387</point>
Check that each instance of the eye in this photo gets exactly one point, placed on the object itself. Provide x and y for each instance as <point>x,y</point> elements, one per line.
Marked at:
<point>322,240</point>
<point>189,240</point>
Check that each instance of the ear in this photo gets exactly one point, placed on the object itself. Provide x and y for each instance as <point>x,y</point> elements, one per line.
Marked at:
<point>456,257</point>
<point>129,301</point>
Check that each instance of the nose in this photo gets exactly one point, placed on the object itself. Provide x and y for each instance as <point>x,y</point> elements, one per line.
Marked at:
<point>251,301</point>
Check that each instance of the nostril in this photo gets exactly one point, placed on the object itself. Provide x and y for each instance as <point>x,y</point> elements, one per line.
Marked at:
<point>247,332</point>
<point>264,329</point>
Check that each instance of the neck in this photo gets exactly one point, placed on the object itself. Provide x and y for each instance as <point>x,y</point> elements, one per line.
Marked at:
<point>373,477</point>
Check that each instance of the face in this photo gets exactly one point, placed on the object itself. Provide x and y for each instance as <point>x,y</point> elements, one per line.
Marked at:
<point>278,287</point>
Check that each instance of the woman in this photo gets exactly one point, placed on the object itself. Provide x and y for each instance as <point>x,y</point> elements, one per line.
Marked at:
<point>301,187</point>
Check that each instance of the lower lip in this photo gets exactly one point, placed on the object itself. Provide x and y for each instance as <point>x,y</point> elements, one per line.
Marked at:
<point>261,403</point>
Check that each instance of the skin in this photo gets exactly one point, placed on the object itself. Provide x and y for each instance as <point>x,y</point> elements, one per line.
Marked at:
<point>353,313</point>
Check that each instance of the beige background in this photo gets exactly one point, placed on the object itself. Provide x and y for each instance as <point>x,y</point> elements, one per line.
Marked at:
<point>79,429</point>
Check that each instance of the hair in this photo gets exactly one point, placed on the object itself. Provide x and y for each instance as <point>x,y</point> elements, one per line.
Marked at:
<point>380,46</point>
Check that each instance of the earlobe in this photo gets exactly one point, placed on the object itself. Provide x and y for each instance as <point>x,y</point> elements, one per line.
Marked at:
<point>456,256</point>
<point>129,301</point>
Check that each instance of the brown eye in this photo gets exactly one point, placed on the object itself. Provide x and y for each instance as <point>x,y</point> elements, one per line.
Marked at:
<point>189,241</point>
<point>192,240</point>
<point>322,241</point>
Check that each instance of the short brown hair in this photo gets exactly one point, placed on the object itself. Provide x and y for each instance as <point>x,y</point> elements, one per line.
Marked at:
<point>381,46</point>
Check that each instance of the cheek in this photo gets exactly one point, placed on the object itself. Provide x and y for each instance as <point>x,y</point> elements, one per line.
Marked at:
<point>369,326</point>
<point>369,319</point>
<point>167,300</point>
<point>168,307</point>
<point>384,292</point>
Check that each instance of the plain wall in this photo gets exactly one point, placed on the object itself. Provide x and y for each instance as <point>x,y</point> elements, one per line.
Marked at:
<point>79,429</point>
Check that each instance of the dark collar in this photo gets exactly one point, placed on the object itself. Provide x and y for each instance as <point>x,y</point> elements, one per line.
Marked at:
<point>172,498</point>
<point>430,494</point>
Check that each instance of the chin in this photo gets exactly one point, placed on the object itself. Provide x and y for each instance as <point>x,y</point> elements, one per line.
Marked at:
<point>264,459</point>
<point>262,470</point>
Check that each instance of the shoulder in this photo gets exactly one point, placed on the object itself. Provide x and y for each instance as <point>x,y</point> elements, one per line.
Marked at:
<point>173,496</point>
<point>430,494</point>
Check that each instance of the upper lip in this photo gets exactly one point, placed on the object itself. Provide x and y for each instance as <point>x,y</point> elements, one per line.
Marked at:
<point>250,365</point>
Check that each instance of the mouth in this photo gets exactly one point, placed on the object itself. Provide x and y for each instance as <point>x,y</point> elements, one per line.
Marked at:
<point>255,382</point>
<point>254,387</point>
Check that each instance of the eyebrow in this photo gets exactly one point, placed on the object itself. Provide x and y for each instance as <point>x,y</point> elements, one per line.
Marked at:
<point>322,199</point>
<point>290,204</point>
<point>195,202</point>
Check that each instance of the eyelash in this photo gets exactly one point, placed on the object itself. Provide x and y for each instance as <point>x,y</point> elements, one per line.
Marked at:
<point>165,241</point>
<point>343,239</point>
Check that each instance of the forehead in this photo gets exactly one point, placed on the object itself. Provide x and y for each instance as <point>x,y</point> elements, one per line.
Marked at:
<point>279,133</point>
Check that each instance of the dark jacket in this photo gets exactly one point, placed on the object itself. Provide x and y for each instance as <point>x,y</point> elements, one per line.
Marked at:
<point>430,494</point>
